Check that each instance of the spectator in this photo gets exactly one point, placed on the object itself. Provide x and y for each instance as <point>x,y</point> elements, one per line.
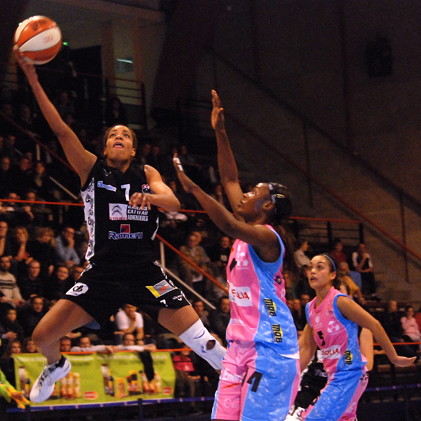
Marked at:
<point>219,254</point>
<point>156,159</point>
<point>300,256</point>
<point>143,154</point>
<point>6,178</point>
<point>130,343</point>
<point>59,283</point>
<point>10,323</point>
<point>363,264</point>
<point>29,317</point>
<point>219,318</point>
<point>186,374</point>
<point>42,215</point>
<point>338,251</point>
<point>29,346</point>
<point>9,289</point>
<point>5,337</point>
<point>5,242</point>
<point>75,273</point>
<point>32,283</point>
<point>20,253</point>
<point>391,321</point>
<point>65,248</point>
<point>128,320</point>
<point>193,251</point>
<point>85,345</point>
<point>41,181</point>
<point>65,344</point>
<point>411,331</point>
<point>115,112</point>
<point>42,250</point>
<point>418,318</point>
<point>344,270</point>
<point>199,307</point>
<point>21,175</point>
<point>354,291</point>
<point>7,364</point>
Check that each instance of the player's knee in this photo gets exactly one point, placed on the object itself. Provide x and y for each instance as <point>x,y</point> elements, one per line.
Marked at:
<point>41,336</point>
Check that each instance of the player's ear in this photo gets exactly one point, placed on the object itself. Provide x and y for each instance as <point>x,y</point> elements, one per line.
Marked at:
<point>133,153</point>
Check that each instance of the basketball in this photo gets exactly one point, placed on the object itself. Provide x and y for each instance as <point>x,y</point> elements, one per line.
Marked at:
<point>38,38</point>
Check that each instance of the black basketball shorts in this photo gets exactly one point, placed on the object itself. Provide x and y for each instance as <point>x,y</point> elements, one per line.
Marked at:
<point>102,289</point>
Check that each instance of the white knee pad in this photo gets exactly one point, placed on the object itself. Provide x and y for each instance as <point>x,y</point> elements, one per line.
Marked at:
<point>197,337</point>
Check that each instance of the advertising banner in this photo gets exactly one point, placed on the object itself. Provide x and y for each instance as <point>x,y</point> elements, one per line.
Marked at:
<point>100,378</point>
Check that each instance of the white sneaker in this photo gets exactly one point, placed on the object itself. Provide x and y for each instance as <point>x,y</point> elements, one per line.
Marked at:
<point>44,384</point>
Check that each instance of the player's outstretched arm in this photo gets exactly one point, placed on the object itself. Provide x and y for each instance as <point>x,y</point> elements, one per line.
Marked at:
<point>354,312</point>
<point>226,162</point>
<point>79,158</point>
<point>259,236</point>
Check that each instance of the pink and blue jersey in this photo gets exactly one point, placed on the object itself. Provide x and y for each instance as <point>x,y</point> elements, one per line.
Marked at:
<point>260,371</point>
<point>257,300</point>
<point>336,336</point>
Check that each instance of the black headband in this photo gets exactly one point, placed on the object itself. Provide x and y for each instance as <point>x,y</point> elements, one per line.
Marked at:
<point>331,261</point>
<point>274,195</point>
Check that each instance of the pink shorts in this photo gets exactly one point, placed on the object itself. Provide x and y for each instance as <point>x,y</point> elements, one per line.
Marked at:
<point>256,383</point>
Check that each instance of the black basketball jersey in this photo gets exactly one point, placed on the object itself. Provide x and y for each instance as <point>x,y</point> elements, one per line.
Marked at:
<point>118,233</point>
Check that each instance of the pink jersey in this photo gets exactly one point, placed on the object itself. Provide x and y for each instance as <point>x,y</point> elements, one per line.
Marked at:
<point>336,336</point>
<point>257,300</point>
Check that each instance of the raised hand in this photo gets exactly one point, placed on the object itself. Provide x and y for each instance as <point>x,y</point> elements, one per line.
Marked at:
<point>185,181</point>
<point>27,68</point>
<point>217,116</point>
<point>141,200</point>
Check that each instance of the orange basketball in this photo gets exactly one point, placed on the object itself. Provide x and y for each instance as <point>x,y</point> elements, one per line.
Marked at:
<point>38,39</point>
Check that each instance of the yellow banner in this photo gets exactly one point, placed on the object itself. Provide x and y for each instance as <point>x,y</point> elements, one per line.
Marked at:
<point>100,378</point>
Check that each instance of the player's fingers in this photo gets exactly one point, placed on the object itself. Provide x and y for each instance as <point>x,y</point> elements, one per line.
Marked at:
<point>177,163</point>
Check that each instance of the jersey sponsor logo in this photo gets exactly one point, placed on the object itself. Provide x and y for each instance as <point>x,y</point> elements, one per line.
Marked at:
<point>161,288</point>
<point>333,327</point>
<point>120,211</point>
<point>146,188</point>
<point>241,296</point>
<point>331,353</point>
<point>109,187</point>
<point>242,262</point>
<point>270,306</point>
<point>278,333</point>
<point>77,289</point>
<point>125,234</point>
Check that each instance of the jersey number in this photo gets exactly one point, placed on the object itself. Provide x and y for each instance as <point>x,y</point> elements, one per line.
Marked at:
<point>320,333</point>
<point>254,380</point>
<point>126,187</point>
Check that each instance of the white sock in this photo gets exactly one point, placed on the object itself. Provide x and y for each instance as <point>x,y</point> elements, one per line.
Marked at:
<point>197,337</point>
